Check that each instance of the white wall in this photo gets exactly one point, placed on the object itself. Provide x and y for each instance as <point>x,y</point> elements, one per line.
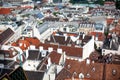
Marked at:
<point>46,34</point>
<point>88,48</point>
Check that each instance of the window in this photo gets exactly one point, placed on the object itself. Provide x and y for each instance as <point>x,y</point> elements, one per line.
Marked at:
<point>114,72</point>
<point>93,69</point>
<point>88,75</point>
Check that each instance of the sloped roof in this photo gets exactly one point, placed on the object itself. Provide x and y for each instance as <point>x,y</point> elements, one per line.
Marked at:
<point>18,74</point>
<point>70,38</point>
<point>63,74</point>
<point>5,35</point>
<point>23,44</point>
<point>70,51</point>
<point>35,55</point>
<point>5,71</point>
<point>55,57</point>
<point>39,15</point>
<point>5,11</point>
<point>32,75</point>
<point>26,42</point>
<point>95,70</point>
<point>100,35</point>
<point>7,52</point>
<point>110,72</point>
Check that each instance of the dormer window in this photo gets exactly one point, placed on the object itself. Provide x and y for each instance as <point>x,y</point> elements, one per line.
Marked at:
<point>88,75</point>
<point>81,76</point>
<point>93,69</point>
<point>114,72</point>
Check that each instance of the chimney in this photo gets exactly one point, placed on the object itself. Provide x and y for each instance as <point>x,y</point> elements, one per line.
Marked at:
<point>48,38</point>
<point>88,61</point>
<point>59,50</point>
<point>49,63</point>
<point>96,38</point>
<point>110,44</point>
<point>64,57</point>
<point>50,49</point>
<point>83,36</point>
<point>41,48</point>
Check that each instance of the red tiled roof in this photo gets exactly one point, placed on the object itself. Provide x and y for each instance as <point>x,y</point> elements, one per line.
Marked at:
<point>55,57</point>
<point>5,11</point>
<point>70,51</point>
<point>33,41</point>
<point>109,70</point>
<point>101,36</point>
<point>63,75</point>
<point>24,44</point>
<point>95,70</point>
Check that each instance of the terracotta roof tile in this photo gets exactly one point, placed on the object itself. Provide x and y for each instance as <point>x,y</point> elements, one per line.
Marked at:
<point>26,42</point>
<point>112,72</point>
<point>35,55</point>
<point>33,41</point>
<point>63,74</point>
<point>23,44</point>
<point>81,67</point>
<point>5,11</point>
<point>5,35</point>
<point>32,75</point>
<point>55,57</point>
<point>70,51</point>
<point>100,35</point>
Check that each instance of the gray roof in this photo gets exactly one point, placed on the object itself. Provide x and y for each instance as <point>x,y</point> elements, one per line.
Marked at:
<point>36,54</point>
<point>32,75</point>
<point>43,28</point>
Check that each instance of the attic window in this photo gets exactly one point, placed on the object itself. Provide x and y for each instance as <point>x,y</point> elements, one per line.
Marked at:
<point>75,73</point>
<point>114,72</point>
<point>81,75</point>
<point>93,69</point>
<point>88,75</point>
<point>69,66</point>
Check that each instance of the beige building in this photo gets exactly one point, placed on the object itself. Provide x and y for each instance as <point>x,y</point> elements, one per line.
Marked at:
<point>86,27</point>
